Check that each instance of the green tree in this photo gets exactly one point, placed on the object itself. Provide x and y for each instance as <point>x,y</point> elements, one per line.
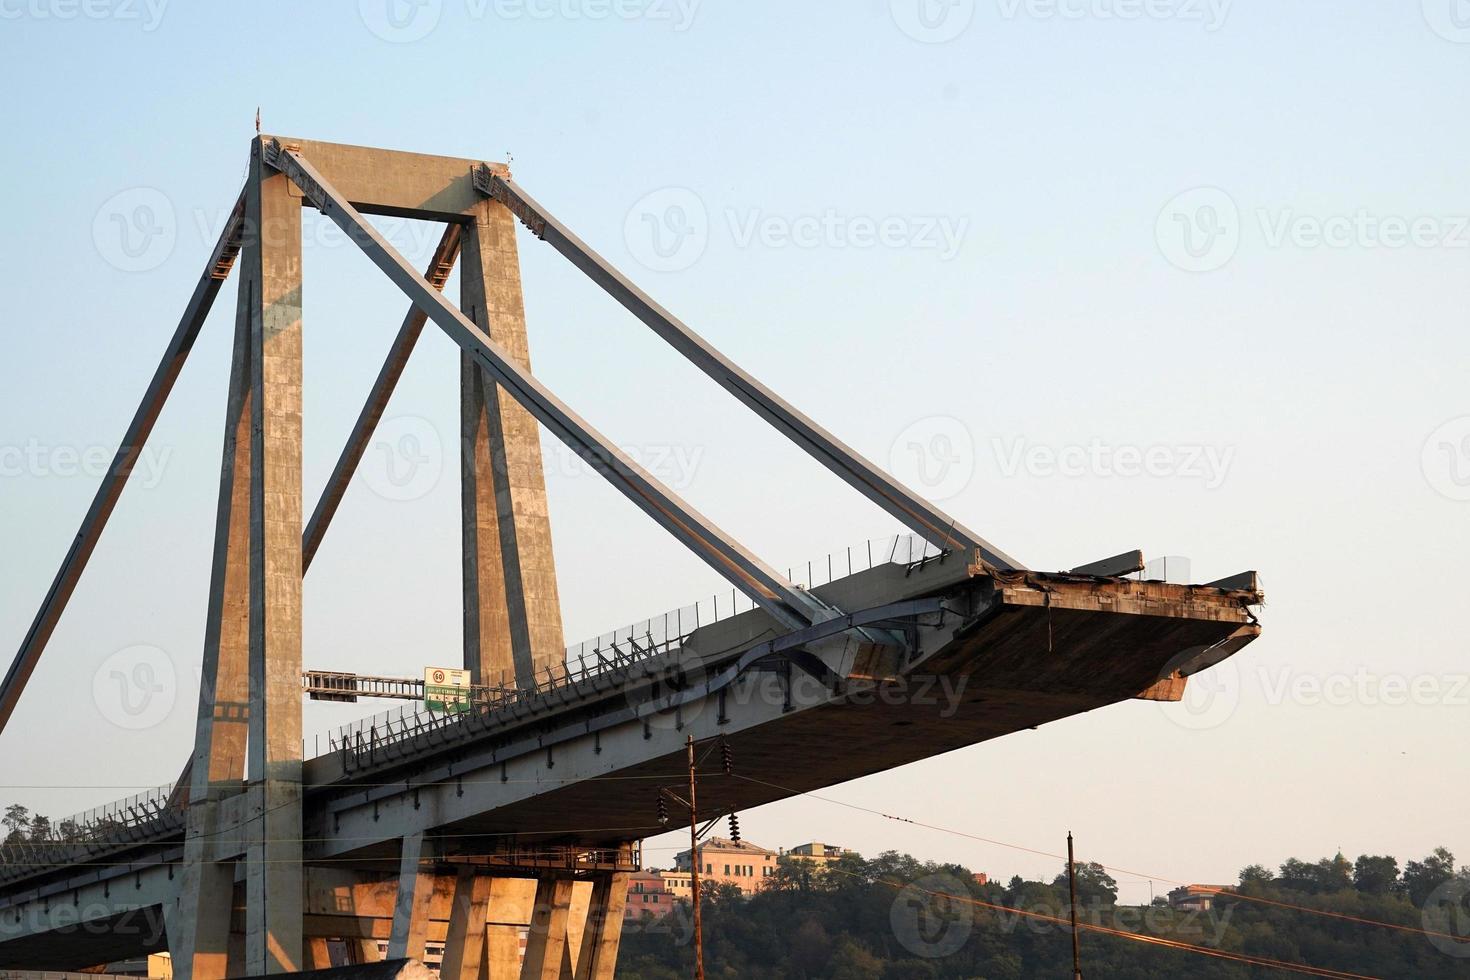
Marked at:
<point>1094,884</point>
<point>1375,875</point>
<point>17,821</point>
<point>1256,874</point>
<point>40,829</point>
<point>1421,878</point>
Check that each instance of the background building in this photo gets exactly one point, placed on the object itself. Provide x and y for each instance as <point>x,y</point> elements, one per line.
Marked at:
<point>648,892</point>
<point>1196,898</point>
<point>817,852</point>
<point>742,864</point>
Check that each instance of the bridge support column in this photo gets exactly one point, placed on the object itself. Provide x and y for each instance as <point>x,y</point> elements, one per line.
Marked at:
<point>603,933</point>
<point>411,906</point>
<point>464,943</point>
<point>363,950</point>
<point>546,944</point>
<point>199,930</point>
<point>317,955</point>
<point>271,280</point>
<point>512,612</point>
<point>512,901</point>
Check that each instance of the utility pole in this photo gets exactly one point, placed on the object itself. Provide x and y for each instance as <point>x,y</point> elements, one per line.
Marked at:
<point>694,866</point>
<point>1071,888</point>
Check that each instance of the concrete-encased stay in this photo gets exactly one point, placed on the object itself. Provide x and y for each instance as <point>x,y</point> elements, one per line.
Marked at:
<point>525,813</point>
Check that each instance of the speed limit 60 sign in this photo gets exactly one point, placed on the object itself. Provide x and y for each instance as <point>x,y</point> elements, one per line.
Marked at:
<point>446,689</point>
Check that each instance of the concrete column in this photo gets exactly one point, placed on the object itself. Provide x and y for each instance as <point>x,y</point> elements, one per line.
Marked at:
<point>603,933</point>
<point>271,271</point>
<point>363,950</point>
<point>512,610</point>
<point>546,945</point>
<point>512,903</point>
<point>464,942</point>
<point>318,957</point>
<point>412,904</point>
<point>199,940</point>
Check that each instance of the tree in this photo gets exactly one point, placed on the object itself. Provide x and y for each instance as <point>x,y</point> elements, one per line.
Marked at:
<point>40,829</point>
<point>1256,874</point>
<point>1094,884</point>
<point>1421,878</point>
<point>1334,874</point>
<point>17,821</point>
<point>1375,875</point>
<point>852,962</point>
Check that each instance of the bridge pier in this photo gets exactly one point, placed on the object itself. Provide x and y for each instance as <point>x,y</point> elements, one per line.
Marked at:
<point>603,932</point>
<point>546,942</point>
<point>512,614</point>
<point>411,904</point>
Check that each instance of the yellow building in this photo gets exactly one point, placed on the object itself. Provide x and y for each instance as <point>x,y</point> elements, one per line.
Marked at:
<point>745,865</point>
<point>817,852</point>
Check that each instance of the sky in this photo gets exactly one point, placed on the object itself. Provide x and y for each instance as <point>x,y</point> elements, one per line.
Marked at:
<point>1188,276</point>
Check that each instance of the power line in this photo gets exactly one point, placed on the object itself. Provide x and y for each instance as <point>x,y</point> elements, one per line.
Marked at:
<point>1316,971</point>
<point>1175,881</point>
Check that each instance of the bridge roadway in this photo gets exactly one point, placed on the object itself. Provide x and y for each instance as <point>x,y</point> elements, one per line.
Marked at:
<point>938,656</point>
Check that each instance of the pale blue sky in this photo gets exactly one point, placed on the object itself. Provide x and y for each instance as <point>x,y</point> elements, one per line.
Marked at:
<point>1036,294</point>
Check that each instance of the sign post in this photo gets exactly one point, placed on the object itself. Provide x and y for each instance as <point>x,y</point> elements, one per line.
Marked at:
<point>446,690</point>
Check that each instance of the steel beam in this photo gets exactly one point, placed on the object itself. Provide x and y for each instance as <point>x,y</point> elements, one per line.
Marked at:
<point>793,607</point>
<point>216,270</point>
<point>917,514</point>
<point>437,273</point>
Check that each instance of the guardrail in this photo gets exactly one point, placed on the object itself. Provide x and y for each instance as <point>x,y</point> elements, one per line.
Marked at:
<point>155,812</point>
<point>72,839</point>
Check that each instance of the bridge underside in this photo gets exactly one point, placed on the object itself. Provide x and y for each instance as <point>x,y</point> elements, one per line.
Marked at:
<point>985,655</point>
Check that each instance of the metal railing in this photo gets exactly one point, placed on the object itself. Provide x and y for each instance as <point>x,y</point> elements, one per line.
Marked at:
<point>155,812</point>
<point>134,819</point>
<point>619,651</point>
